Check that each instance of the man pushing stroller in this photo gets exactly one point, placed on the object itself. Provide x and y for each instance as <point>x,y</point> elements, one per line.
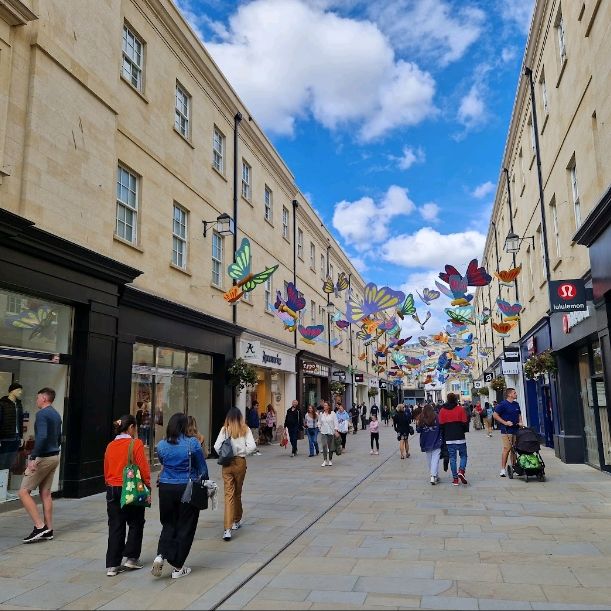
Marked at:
<point>508,414</point>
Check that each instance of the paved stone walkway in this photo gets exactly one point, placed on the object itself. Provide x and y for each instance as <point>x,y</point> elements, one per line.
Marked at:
<point>393,541</point>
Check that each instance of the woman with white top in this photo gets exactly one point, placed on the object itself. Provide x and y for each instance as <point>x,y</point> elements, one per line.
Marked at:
<point>342,424</point>
<point>242,443</point>
<point>329,428</point>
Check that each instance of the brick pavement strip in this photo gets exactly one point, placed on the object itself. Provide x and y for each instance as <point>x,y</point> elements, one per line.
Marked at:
<point>393,542</point>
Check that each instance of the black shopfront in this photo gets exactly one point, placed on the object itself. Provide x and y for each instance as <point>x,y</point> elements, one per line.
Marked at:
<point>70,320</point>
<point>313,377</point>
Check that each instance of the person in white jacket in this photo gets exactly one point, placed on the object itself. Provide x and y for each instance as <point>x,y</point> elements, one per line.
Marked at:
<point>329,427</point>
<point>242,443</point>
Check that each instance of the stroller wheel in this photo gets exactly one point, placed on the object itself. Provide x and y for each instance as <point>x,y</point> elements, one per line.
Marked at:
<point>526,477</point>
<point>541,477</point>
<point>509,471</point>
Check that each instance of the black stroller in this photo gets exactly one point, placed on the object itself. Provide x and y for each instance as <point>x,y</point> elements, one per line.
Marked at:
<point>528,461</point>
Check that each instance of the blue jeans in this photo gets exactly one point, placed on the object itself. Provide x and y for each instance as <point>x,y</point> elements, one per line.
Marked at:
<point>313,439</point>
<point>461,448</point>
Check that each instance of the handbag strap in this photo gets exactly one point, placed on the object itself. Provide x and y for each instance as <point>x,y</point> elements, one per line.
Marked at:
<point>189,451</point>
<point>130,452</point>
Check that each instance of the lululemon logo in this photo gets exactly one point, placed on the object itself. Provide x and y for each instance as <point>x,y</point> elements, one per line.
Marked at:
<point>567,291</point>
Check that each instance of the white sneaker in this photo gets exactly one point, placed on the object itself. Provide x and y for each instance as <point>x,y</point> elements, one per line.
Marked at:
<point>112,571</point>
<point>372,452</point>
<point>178,573</point>
<point>433,480</point>
<point>236,525</point>
<point>329,463</point>
<point>324,463</point>
<point>157,566</point>
<point>227,535</point>
<point>133,563</point>
<point>377,453</point>
<point>503,473</point>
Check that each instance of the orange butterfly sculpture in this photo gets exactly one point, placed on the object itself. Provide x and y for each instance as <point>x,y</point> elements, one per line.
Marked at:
<point>362,356</point>
<point>503,328</point>
<point>370,325</point>
<point>442,337</point>
<point>507,276</point>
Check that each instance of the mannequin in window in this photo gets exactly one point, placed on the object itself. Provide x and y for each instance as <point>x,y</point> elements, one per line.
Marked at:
<point>11,425</point>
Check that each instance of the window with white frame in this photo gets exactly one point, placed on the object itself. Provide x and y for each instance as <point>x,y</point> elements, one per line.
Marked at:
<point>575,193</point>
<point>313,255</point>
<point>246,180</point>
<point>179,237</point>
<point>285,222</point>
<point>13,304</point>
<point>542,249</point>
<point>556,226</point>
<point>312,312</point>
<point>322,265</point>
<point>217,259</point>
<point>127,205</point>
<point>133,57</point>
<point>300,244</point>
<point>269,211</point>
<point>560,34</point>
<point>268,293</point>
<point>331,270</point>
<point>182,112</point>
<point>544,99</point>
<point>218,150</point>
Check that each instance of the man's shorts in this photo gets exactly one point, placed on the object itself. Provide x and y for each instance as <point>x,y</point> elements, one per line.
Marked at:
<point>508,441</point>
<point>43,476</point>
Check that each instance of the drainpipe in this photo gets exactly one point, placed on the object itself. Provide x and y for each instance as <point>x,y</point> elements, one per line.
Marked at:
<point>351,356</point>
<point>328,302</point>
<point>295,206</point>
<point>236,123</point>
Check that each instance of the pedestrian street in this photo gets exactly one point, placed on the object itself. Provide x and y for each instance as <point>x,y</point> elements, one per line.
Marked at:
<point>369,532</point>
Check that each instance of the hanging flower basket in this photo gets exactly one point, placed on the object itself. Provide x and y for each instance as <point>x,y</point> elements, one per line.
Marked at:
<point>540,364</point>
<point>372,392</point>
<point>498,383</point>
<point>337,388</point>
<point>241,374</point>
<point>484,391</point>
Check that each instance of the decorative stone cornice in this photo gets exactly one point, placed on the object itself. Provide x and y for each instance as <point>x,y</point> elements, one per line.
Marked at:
<point>16,12</point>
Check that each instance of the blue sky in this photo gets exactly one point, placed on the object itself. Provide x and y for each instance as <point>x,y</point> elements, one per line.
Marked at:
<point>392,115</point>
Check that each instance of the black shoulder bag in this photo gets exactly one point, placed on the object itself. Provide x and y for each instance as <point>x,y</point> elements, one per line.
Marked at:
<point>195,493</point>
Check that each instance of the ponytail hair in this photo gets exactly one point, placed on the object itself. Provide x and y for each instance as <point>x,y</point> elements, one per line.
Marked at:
<point>123,423</point>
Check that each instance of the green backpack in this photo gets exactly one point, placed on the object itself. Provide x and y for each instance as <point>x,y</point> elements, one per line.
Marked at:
<point>134,491</point>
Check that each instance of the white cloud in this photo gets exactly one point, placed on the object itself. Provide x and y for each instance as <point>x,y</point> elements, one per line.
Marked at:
<point>310,62</point>
<point>429,28</point>
<point>429,248</point>
<point>484,189</point>
<point>508,54</point>
<point>518,12</point>
<point>429,211</point>
<point>359,264</point>
<point>365,222</point>
<point>472,109</point>
<point>408,158</point>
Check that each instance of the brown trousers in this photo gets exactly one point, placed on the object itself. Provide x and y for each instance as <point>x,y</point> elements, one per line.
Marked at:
<point>233,480</point>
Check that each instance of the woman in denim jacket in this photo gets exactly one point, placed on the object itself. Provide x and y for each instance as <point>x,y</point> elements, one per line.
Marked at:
<point>178,519</point>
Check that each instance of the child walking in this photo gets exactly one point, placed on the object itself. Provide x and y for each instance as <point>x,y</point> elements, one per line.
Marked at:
<point>430,439</point>
<point>374,431</point>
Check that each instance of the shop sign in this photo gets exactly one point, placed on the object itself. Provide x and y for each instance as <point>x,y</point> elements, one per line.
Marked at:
<point>511,354</point>
<point>358,377</point>
<point>488,376</point>
<point>340,375</point>
<point>511,368</point>
<point>382,384</point>
<point>531,345</point>
<point>269,358</point>
<point>309,366</point>
<point>478,384</point>
<point>567,295</point>
<point>572,319</point>
<point>373,383</point>
<point>252,350</point>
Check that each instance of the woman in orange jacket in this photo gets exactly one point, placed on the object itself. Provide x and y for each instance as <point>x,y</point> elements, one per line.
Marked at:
<point>115,460</point>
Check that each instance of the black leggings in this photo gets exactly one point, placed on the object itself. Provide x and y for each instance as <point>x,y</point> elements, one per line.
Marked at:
<point>343,436</point>
<point>376,437</point>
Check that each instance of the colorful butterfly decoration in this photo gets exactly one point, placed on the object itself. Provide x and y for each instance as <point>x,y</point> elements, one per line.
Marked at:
<point>423,341</point>
<point>397,344</point>
<point>457,291</point>
<point>456,328</point>
<point>369,325</point>
<point>423,322</point>
<point>484,351</point>
<point>39,319</point>
<point>508,310</point>
<point>373,338</point>
<point>388,324</point>
<point>363,335</point>
<point>289,322</point>
<point>362,356</point>
<point>506,277</point>
<point>474,276</point>
<point>407,308</point>
<point>240,272</point>
<point>310,333</point>
<point>341,285</point>
<point>379,368</point>
<point>428,295</point>
<point>374,300</point>
<point>292,303</point>
<point>503,328</point>
<point>398,358</point>
<point>485,316</point>
<point>460,315</point>
<point>463,353</point>
<point>442,337</point>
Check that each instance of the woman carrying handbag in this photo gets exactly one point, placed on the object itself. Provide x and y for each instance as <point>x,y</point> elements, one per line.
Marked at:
<point>124,450</point>
<point>329,428</point>
<point>234,466</point>
<point>183,460</point>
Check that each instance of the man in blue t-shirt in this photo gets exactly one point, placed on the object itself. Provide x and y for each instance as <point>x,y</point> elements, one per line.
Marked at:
<point>507,413</point>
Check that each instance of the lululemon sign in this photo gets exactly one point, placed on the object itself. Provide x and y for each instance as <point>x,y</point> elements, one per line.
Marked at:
<point>567,296</point>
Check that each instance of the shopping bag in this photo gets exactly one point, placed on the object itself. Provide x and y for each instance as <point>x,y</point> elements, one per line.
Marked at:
<point>134,491</point>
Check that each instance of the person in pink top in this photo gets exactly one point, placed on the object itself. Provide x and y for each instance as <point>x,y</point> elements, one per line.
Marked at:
<point>374,431</point>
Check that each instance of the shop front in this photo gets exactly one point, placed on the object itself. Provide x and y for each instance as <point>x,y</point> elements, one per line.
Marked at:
<point>313,378</point>
<point>341,375</point>
<point>360,388</point>
<point>171,359</point>
<point>276,377</point>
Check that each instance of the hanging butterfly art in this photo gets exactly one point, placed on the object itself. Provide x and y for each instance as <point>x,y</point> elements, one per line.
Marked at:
<point>508,310</point>
<point>428,295</point>
<point>374,300</point>
<point>506,277</point>
<point>341,284</point>
<point>407,308</point>
<point>423,322</point>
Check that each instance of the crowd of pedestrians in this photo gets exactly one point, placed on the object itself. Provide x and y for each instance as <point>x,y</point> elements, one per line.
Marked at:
<point>181,453</point>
